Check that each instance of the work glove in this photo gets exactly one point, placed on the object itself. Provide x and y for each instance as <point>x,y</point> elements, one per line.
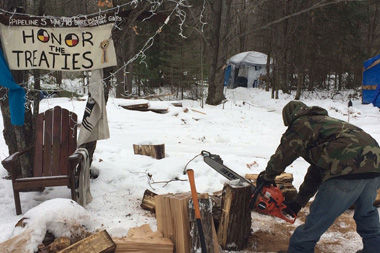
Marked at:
<point>261,179</point>
<point>292,208</point>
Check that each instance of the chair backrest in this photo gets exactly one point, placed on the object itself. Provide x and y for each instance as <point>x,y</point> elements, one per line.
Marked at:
<point>56,140</point>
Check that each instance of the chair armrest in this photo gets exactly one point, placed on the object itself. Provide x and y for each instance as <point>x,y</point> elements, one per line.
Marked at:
<point>9,163</point>
<point>80,157</point>
<point>77,157</point>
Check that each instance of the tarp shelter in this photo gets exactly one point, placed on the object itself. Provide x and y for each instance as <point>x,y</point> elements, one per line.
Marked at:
<point>371,81</point>
<point>244,69</point>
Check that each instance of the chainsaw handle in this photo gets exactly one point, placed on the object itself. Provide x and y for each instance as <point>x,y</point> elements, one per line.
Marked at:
<point>256,193</point>
<point>285,217</point>
<point>205,153</point>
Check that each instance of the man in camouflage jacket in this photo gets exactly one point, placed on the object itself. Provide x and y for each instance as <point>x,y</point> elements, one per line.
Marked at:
<point>344,169</point>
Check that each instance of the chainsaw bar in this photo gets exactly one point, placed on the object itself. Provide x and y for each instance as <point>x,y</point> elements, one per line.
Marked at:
<point>215,162</point>
<point>266,203</point>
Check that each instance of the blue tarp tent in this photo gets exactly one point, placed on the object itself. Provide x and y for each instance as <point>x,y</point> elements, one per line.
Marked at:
<point>371,81</point>
<point>244,69</point>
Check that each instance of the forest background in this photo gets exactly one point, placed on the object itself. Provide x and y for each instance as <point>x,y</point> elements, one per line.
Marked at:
<point>315,45</point>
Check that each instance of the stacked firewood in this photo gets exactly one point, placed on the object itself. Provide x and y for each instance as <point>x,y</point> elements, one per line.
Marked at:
<point>283,181</point>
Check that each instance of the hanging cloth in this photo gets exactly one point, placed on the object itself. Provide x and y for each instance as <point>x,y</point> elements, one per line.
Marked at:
<point>16,94</point>
<point>83,189</point>
<point>95,123</point>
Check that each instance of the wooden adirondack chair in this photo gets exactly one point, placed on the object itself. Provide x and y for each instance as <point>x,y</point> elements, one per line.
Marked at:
<point>55,163</point>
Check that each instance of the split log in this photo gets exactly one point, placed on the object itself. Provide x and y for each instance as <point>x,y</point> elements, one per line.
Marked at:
<point>148,202</point>
<point>155,151</point>
<point>284,181</point>
<point>137,107</point>
<point>18,243</point>
<point>143,107</point>
<point>198,112</point>
<point>235,223</point>
<point>216,198</point>
<point>100,242</point>
<point>146,97</point>
<point>142,239</point>
<point>173,219</point>
<point>208,226</point>
<point>177,104</point>
<point>171,214</point>
<point>58,244</point>
<point>158,110</point>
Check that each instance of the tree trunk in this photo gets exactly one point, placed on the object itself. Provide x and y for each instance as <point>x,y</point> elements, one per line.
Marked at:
<point>108,82</point>
<point>243,28</point>
<point>217,45</point>
<point>36,91</point>
<point>124,76</point>
<point>120,75</point>
<point>129,75</point>
<point>299,86</point>
<point>373,23</point>
<point>17,137</point>
<point>268,80</point>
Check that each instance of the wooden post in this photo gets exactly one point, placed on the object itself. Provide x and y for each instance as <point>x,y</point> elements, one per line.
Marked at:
<point>235,222</point>
<point>155,151</point>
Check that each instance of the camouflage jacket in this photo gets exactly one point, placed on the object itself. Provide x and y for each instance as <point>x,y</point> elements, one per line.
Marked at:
<point>333,148</point>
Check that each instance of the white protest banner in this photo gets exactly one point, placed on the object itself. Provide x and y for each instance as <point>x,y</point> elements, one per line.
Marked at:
<point>63,48</point>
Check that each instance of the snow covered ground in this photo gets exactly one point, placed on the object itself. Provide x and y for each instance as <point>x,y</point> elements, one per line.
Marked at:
<point>246,129</point>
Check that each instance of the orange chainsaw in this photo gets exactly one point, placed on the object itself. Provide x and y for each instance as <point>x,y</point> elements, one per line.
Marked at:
<point>265,199</point>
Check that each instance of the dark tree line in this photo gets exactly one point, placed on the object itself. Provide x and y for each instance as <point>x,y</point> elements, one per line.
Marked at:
<point>314,44</point>
<point>320,39</point>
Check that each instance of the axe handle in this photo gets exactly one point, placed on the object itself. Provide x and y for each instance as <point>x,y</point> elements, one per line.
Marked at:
<point>194,195</point>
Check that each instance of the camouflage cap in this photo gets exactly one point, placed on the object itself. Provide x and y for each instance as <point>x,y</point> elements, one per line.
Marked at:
<point>289,109</point>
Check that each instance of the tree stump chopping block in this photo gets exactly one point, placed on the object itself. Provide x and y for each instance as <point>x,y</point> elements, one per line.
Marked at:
<point>235,222</point>
<point>155,151</point>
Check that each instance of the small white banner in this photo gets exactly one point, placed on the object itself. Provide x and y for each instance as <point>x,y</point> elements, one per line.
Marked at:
<point>63,49</point>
